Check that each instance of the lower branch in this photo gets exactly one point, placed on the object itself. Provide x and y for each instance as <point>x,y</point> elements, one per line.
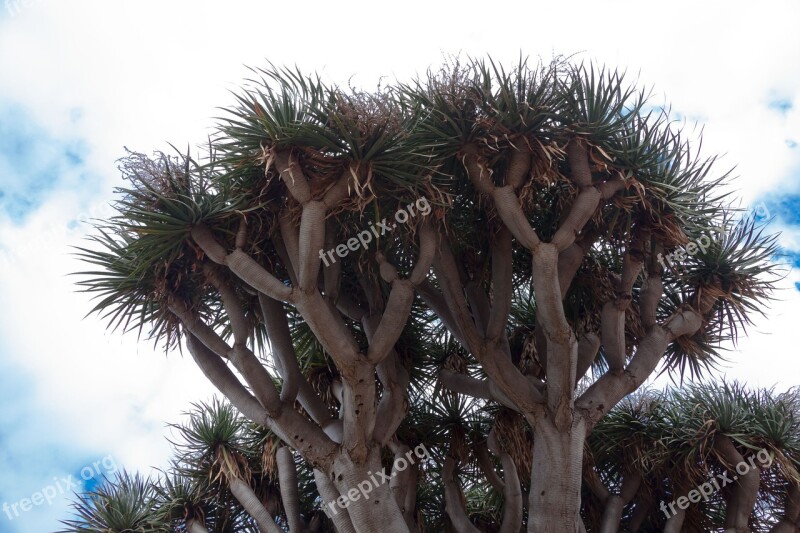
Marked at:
<point>512,495</point>
<point>454,499</point>
<point>287,477</point>
<point>248,499</point>
<point>745,492</point>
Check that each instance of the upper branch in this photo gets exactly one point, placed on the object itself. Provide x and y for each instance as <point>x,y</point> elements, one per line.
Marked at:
<point>242,265</point>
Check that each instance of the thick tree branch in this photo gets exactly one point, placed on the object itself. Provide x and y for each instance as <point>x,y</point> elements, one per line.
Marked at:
<point>436,302</point>
<point>332,273</point>
<point>312,238</point>
<point>225,381</point>
<point>512,494</point>
<point>498,367</point>
<point>242,265</point>
<point>519,165</point>
<point>288,166</point>
<point>244,495</point>
<point>295,384</point>
<point>393,320</point>
<point>745,492</point>
<point>581,211</point>
<point>393,405</point>
<point>595,484</point>
<point>502,286</point>
<point>578,159</point>
<point>610,388</point>
<point>447,274</point>
<point>454,499</point>
<point>562,346</point>
<point>508,207</point>
<point>481,451</point>
<point>290,237</point>
<point>612,320</point>
<point>467,385</point>
<point>400,483</point>
<point>329,494</point>
<point>588,346</point>
<point>615,505</point>
<point>240,355</point>
<point>287,477</point>
<point>289,426</point>
<point>790,521</point>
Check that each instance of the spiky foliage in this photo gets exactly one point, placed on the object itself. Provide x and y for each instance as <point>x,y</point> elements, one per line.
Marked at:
<point>292,144</point>
<point>127,504</point>
<point>668,437</point>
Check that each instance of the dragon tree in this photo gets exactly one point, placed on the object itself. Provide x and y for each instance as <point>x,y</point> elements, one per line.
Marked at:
<point>340,264</point>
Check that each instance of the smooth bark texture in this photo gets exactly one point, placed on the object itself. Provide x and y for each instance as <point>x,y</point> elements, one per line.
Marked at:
<point>615,505</point>
<point>287,476</point>
<point>245,496</point>
<point>454,499</point>
<point>512,494</point>
<point>745,491</point>
<point>556,477</point>
<point>340,516</point>
<point>378,511</point>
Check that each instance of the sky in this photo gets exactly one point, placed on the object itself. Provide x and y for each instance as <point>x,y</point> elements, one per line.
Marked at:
<point>82,80</point>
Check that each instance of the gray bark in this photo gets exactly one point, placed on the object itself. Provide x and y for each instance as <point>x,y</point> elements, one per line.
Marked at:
<point>745,492</point>
<point>370,504</point>
<point>329,494</point>
<point>616,503</point>
<point>454,499</point>
<point>245,496</point>
<point>287,477</point>
<point>556,477</point>
<point>193,526</point>
<point>512,494</point>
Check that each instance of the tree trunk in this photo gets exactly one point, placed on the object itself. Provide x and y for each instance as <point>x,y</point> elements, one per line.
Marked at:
<point>365,494</point>
<point>556,477</point>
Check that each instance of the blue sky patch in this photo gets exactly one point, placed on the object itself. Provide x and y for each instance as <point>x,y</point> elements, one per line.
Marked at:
<point>33,163</point>
<point>784,208</point>
<point>781,105</point>
<point>34,458</point>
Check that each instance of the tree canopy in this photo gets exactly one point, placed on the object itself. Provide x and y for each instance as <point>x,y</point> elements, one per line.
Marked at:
<point>473,262</point>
